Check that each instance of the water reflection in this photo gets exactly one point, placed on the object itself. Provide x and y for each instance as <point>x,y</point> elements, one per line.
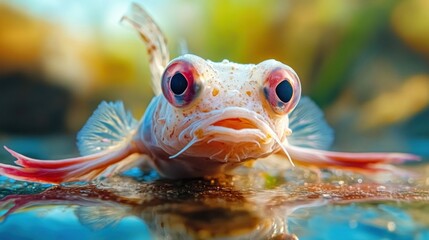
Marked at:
<point>248,206</point>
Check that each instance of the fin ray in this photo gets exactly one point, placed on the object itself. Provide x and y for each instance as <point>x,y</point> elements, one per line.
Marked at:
<point>309,127</point>
<point>156,43</point>
<point>66,170</point>
<point>365,162</point>
<point>109,125</point>
<point>101,216</point>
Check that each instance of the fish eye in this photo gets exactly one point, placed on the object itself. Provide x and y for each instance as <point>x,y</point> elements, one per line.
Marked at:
<point>282,89</point>
<point>179,83</point>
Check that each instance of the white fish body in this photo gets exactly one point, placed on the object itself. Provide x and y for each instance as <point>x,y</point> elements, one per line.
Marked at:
<point>206,118</point>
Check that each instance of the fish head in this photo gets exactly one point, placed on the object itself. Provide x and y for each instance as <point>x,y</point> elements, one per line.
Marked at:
<point>223,110</point>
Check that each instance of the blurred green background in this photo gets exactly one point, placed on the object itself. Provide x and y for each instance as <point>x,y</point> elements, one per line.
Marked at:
<point>366,63</point>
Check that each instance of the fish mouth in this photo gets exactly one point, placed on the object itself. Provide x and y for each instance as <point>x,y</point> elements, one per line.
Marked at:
<point>237,123</point>
<point>235,119</point>
<point>231,134</point>
<point>234,125</point>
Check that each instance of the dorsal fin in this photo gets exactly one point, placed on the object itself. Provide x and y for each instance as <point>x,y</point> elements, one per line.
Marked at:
<point>155,41</point>
<point>109,126</point>
<point>309,127</point>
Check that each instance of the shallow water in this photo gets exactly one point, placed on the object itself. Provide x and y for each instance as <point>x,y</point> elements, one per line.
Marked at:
<point>254,204</point>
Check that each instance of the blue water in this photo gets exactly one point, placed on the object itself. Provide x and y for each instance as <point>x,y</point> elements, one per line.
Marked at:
<point>60,222</point>
<point>328,222</point>
<point>140,206</point>
<point>355,221</point>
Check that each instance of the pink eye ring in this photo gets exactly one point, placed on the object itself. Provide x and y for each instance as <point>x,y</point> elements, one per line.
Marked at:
<point>179,83</point>
<point>282,90</point>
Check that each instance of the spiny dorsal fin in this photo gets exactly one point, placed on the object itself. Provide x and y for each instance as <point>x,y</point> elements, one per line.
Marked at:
<point>109,126</point>
<point>309,127</point>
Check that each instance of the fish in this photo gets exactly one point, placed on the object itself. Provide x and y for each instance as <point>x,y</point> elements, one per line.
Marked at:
<point>206,118</point>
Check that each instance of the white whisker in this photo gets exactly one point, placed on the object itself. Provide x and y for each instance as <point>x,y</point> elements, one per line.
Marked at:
<point>225,159</point>
<point>215,154</point>
<point>243,154</point>
<point>277,139</point>
<point>287,154</point>
<point>256,143</point>
<point>192,142</point>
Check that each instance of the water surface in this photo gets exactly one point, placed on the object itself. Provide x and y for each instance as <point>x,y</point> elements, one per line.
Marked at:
<point>254,204</point>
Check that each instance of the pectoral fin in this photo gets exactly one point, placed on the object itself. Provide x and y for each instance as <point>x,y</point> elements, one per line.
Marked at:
<point>107,138</point>
<point>309,127</point>
<point>366,162</point>
<point>311,133</point>
<point>109,126</point>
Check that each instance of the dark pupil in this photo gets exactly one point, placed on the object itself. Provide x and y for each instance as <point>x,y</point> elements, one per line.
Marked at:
<point>178,84</point>
<point>284,91</point>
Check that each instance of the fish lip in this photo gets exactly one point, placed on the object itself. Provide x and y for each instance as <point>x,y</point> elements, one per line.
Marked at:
<point>237,123</point>
<point>215,126</point>
<point>205,129</point>
<point>242,117</point>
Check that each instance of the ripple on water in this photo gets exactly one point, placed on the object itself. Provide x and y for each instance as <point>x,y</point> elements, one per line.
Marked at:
<point>302,202</point>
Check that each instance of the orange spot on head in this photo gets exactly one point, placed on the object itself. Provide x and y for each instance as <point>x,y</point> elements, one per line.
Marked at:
<point>249,93</point>
<point>215,92</point>
<point>199,133</point>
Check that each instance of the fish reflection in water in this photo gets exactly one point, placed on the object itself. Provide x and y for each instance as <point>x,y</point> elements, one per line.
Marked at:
<point>248,206</point>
